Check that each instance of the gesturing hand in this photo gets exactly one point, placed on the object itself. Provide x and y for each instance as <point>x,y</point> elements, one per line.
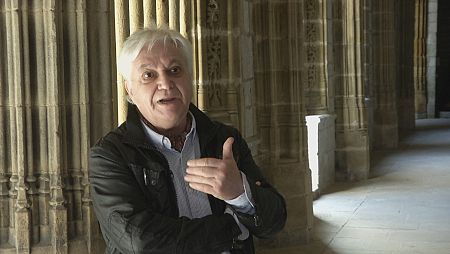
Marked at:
<point>218,177</point>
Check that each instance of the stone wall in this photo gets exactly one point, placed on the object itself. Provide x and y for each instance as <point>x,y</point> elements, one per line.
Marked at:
<point>62,95</point>
<point>56,100</point>
<point>260,65</point>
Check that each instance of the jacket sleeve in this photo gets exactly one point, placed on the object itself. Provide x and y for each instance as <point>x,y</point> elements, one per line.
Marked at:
<point>130,224</point>
<point>270,206</point>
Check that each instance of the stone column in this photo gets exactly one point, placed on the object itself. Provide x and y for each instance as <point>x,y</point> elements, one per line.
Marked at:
<point>162,12</point>
<point>212,64</point>
<point>352,140</point>
<point>136,15</point>
<point>101,73</point>
<point>233,81</point>
<point>185,18</point>
<point>318,62</point>
<point>149,12</point>
<point>173,15</point>
<point>318,81</point>
<point>4,152</point>
<point>281,111</point>
<point>409,55</point>
<point>431,57</point>
<point>121,32</point>
<point>18,88</point>
<point>368,77</point>
<point>420,54</point>
<point>223,63</point>
<point>385,126</point>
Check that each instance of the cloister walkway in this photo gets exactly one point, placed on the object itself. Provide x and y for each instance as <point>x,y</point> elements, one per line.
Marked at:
<point>404,208</point>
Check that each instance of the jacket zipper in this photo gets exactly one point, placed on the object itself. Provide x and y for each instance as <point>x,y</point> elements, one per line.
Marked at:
<point>174,192</point>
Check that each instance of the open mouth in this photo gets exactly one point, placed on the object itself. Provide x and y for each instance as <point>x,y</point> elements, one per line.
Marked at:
<point>166,100</point>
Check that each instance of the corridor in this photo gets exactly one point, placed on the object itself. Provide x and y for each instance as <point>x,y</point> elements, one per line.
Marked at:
<point>403,208</point>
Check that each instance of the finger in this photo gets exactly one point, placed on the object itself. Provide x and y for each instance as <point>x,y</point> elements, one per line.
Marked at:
<point>204,162</point>
<point>202,171</point>
<point>228,149</point>
<point>203,188</point>
<point>199,179</point>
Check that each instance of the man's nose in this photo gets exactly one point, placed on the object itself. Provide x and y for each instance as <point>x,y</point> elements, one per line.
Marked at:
<point>165,82</point>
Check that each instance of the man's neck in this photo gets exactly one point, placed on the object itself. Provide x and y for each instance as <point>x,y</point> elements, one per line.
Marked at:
<point>176,135</point>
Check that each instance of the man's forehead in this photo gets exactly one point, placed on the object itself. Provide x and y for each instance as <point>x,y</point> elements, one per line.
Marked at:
<point>161,46</point>
<point>156,55</point>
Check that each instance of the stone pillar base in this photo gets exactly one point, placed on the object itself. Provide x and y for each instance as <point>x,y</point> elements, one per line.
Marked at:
<point>352,156</point>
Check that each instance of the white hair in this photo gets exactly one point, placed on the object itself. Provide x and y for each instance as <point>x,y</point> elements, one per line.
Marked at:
<point>148,37</point>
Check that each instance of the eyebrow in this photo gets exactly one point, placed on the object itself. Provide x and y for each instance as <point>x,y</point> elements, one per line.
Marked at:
<point>142,66</point>
<point>172,62</point>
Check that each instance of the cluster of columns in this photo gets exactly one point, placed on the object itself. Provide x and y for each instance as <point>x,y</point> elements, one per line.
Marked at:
<point>352,139</point>
<point>374,67</point>
<point>385,71</point>
<point>51,84</point>
<point>260,65</point>
<point>281,110</point>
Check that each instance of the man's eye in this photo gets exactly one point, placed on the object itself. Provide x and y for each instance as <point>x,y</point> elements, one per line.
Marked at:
<point>148,75</point>
<point>175,70</point>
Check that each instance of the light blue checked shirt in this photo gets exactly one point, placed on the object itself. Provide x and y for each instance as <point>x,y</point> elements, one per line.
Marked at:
<point>193,203</point>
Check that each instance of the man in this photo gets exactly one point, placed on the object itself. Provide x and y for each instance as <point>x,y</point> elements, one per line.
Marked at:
<point>170,180</point>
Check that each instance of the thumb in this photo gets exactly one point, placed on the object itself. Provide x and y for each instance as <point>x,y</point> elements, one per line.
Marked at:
<point>228,149</point>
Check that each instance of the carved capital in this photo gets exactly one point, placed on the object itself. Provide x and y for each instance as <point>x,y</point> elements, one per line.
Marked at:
<point>57,199</point>
<point>22,199</point>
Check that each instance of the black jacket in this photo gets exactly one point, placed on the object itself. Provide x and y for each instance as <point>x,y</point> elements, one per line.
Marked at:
<point>140,215</point>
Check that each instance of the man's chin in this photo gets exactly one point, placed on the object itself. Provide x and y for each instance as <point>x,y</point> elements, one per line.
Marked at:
<point>169,123</point>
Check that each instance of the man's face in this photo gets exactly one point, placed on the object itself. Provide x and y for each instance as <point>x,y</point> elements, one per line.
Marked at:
<point>161,86</point>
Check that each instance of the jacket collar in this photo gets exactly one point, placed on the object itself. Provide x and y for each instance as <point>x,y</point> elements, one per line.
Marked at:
<point>206,129</point>
<point>135,134</point>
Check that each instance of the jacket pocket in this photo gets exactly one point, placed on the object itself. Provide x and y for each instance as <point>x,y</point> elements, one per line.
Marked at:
<point>150,180</point>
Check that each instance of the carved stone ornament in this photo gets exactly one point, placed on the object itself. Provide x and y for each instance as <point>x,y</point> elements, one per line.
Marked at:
<point>213,55</point>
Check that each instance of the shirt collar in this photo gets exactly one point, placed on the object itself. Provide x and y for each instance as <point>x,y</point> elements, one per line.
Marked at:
<point>163,142</point>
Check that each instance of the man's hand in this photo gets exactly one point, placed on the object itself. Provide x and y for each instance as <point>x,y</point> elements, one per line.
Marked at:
<point>218,177</point>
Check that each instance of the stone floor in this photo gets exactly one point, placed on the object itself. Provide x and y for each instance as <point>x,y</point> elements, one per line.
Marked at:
<point>403,208</point>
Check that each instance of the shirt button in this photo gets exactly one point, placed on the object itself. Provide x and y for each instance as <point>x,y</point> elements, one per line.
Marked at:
<point>166,143</point>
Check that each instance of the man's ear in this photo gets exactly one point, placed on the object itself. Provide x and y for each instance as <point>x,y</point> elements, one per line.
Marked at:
<point>128,88</point>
